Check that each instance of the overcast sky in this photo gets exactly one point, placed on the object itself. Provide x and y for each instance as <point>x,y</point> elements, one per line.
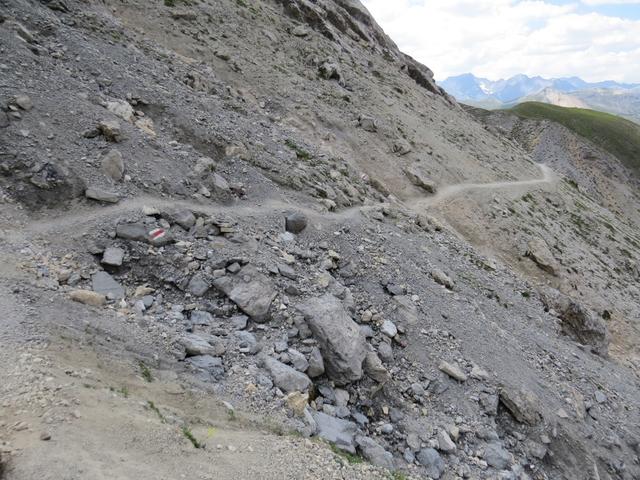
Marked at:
<point>593,39</point>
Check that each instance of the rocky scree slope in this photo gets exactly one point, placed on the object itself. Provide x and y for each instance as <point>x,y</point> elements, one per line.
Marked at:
<point>223,189</point>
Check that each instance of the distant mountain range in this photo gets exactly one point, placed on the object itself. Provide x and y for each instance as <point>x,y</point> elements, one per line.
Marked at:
<point>619,98</point>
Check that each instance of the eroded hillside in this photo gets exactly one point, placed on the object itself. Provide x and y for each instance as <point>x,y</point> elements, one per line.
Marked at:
<point>229,221</point>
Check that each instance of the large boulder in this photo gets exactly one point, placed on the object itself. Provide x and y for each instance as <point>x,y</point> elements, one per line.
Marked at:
<point>284,377</point>
<point>523,404</point>
<point>374,452</point>
<point>340,339</point>
<point>250,290</point>
<point>106,285</point>
<point>578,322</point>
<point>538,250</point>
<point>583,325</point>
<point>335,430</point>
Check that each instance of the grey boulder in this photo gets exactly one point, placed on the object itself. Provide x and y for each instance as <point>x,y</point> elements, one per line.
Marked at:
<point>431,460</point>
<point>284,377</point>
<point>196,345</point>
<point>341,342</point>
<point>372,451</point>
<point>106,285</point>
<point>113,256</point>
<point>335,430</point>
<point>250,290</point>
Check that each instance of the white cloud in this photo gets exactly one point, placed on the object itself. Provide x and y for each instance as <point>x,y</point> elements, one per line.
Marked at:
<point>499,38</point>
<point>611,2</point>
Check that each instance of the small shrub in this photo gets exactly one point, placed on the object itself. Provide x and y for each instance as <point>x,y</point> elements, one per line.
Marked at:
<point>146,372</point>
<point>194,441</point>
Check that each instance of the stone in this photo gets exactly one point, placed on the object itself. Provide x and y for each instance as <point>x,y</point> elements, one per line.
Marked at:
<point>453,371</point>
<point>341,397</point>
<point>159,237</point>
<point>368,123</point>
<point>122,109</point>
<point>201,318</point>
<point>184,217</point>
<point>538,250</point>
<point>496,456</point>
<point>600,397</point>
<point>295,222</point>
<point>213,366</point>
<point>442,278</point>
<point>445,444</point>
<point>340,340</point>
<point>335,430</point>
<point>297,402</point>
<point>4,119</point>
<point>198,285</point>
<point>523,405</point>
<point>247,342</point>
<point>219,183</point>
<point>385,352</point>
<point>389,329</point>
<point>395,289</point>
<point>406,310</point>
<point>582,324</point>
<point>374,453</point>
<point>111,130</point>
<point>284,377</point>
<point>132,231</point>
<point>239,322</point>
<point>298,360</point>
<point>250,290</point>
<point>330,70</point>
<point>433,463</point>
<point>112,165</point>
<point>88,297</point>
<point>418,178</point>
<point>300,31</point>
<point>316,363</point>
<point>23,102</point>
<point>113,256</point>
<point>196,345</point>
<point>375,369</point>
<point>100,195</point>
<point>106,285</point>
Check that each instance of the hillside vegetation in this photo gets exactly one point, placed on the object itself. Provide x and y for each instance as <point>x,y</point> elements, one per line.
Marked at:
<point>618,136</point>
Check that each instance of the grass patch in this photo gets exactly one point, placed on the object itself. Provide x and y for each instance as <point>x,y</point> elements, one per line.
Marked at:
<point>124,391</point>
<point>300,152</point>
<point>351,458</point>
<point>152,406</point>
<point>145,372</point>
<point>398,476</point>
<point>194,441</point>
<point>616,135</point>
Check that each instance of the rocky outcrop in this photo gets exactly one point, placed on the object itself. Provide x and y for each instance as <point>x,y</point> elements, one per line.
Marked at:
<point>340,339</point>
<point>538,250</point>
<point>250,290</point>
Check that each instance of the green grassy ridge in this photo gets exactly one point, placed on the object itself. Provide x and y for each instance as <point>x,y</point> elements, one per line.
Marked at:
<point>616,135</point>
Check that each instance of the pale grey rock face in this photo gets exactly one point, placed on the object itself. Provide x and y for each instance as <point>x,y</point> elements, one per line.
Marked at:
<point>339,337</point>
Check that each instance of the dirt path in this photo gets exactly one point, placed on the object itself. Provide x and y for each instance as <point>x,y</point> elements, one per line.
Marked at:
<point>84,216</point>
<point>548,176</point>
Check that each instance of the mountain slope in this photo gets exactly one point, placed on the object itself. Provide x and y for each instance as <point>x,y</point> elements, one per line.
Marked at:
<point>268,204</point>
<point>616,135</point>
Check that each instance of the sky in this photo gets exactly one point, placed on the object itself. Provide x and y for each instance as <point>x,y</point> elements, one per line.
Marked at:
<point>595,40</point>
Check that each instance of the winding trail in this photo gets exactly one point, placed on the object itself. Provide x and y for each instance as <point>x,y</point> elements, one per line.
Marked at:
<point>86,215</point>
<point>548,176</point>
